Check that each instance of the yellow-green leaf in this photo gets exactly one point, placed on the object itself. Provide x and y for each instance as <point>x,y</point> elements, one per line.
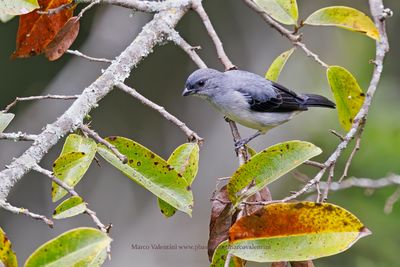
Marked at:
<point>75,158</point>
<point>17,7</point>
<point>77,247</point>
<point>69,208</point>
<point>185,160</point>
<point>295,232</point>
<point>269,165</point>
<point>5,119</point>
<point>150,171</point>
<point>348,95</point>
<point>283,11</point>
<point>277,65</point>
<point>7,255</point>
<point>220,254</point>
<point>344,17</point>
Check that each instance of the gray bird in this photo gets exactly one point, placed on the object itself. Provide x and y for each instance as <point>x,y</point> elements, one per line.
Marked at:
<point>250,99</point>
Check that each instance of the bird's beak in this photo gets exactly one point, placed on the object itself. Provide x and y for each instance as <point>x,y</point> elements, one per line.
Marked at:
<point>187,92</point>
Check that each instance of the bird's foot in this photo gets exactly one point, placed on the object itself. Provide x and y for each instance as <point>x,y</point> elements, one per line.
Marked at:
<point>241,143</point>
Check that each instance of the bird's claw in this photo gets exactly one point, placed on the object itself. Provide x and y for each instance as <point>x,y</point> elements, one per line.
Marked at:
<point>240,143</point>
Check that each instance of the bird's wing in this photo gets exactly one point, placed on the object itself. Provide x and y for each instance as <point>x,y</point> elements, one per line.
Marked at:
<point>272,97</point>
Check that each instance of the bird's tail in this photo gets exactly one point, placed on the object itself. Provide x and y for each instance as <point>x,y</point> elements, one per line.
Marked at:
<point>318,101</point>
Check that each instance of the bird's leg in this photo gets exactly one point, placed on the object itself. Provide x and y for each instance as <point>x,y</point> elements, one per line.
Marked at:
<point>244,141</point>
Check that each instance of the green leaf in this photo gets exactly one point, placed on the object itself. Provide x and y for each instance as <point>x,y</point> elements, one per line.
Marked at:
<point>5,119</point>
<point>283,11</point>
<point>7,255</point>
<point>150,171</point>
<point>294,232</point>
<point>17,7</point>
<point>344,17</point>
<point>220,254</point>
<point>185,160</point>
<point>73,248</point>
<point>348,95</point>
<point>269,165</point>
<point>75,158</point>
<point>276,67</point>
<point>69,208</point>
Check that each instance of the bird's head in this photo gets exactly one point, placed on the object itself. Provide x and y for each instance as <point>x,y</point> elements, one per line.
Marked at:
<point>201,82</point>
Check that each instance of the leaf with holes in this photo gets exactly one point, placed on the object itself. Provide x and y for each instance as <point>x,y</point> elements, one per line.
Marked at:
<point>17,7</point>
<point>185,160</point>
<point>75,158</point>
<point>5,119</point>
<point>70,207</point>
<point>348,95</point>
<point>63,39</point>
<point>283,11</point>
<point>295,232</point>
<point>277,65</point>
<point>77,247</point>
<point>150,171</point>
<point>7,255</point>
<point>36,30</point>
<point>269,165</point>
<point>344,17</point>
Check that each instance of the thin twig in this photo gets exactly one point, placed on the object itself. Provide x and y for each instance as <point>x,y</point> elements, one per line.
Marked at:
<point>328,182</point>
<point>368,183</point>
<point>7,206</point>
<point>314,164</point>
<point>190,50</point>
<point>191,135</point>
<point>391,201</point>
<point>100,140</point>
<point>40,97</point>
<point>19,136</point>
<point>341,137</point>
<point>86,8</point>
<point>228,260</point>
<point>56,10</point>
<point>353,152</point>
<point>79,54</point>
<point>198,7</point>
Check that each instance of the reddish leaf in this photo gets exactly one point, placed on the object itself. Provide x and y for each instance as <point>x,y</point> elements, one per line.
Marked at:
<point>36,31</point>
<point>220,220</point>
<point>63,40</point>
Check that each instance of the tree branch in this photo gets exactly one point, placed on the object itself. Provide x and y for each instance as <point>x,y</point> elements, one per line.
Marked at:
<point>79,54</point>
<point>40,97</point>
<point>7,206</point>
<point>144,6</point>
<point>382,47</point>
<point>18,136</point>
<point>151,35</point>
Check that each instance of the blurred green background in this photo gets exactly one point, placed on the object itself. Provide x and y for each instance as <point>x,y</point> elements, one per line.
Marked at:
<point>252,45</point>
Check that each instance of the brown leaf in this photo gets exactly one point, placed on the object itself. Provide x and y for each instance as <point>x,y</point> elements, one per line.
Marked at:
<point>220,220</point>
<point>36,31</point>
<point>63,40</point>
<point>261,196</point>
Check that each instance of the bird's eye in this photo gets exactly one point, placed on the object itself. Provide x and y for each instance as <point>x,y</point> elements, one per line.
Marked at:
<point>201,83</point>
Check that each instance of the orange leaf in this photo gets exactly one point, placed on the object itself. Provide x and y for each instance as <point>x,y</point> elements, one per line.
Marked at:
<point>63,40</point>
<point>287,219</point>
<point>36,31</point>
